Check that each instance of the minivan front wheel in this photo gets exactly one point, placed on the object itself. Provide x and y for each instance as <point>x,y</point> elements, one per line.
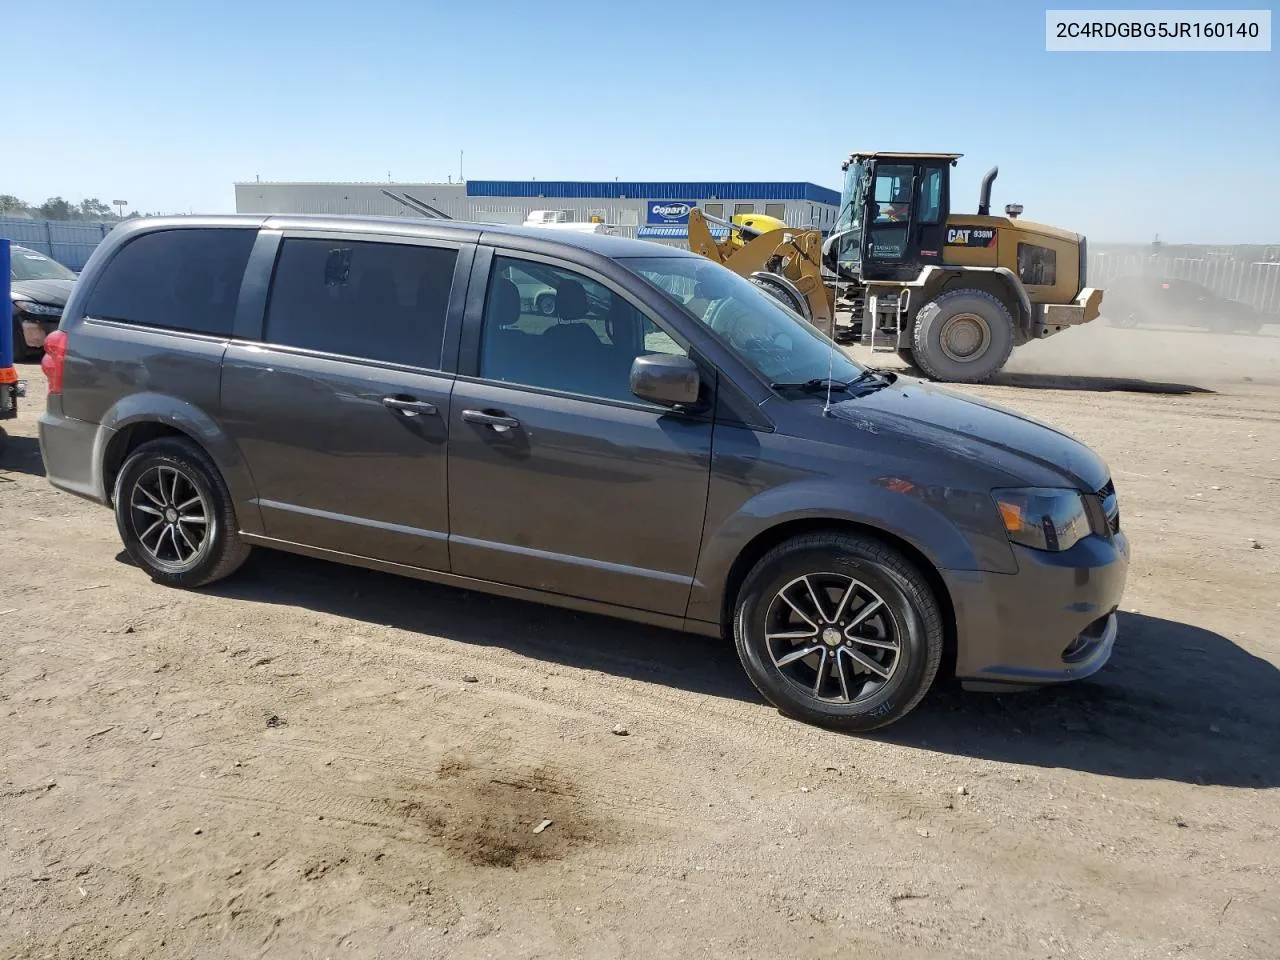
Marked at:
<point>174,515</point>
<point>839,630</point>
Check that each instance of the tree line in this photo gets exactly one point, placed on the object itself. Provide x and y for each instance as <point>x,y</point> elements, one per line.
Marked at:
<point>56,208</point>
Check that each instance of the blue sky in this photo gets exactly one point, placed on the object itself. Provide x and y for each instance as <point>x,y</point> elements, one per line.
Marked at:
<point>167,104</point>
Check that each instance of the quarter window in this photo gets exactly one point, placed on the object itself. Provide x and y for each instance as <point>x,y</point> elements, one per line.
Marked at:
<point>376,301</point>
<point>553,328</point>
<point>181,279</point>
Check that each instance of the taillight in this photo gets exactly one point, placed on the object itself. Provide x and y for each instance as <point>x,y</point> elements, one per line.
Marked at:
<point>55,354</point>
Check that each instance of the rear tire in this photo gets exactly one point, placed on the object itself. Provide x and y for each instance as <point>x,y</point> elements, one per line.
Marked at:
<point>175,516</point>
<point>885,636</point>
<point>962,336</point>
<point>546,304</point>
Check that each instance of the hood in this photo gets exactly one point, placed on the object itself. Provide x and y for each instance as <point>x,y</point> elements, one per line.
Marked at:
<point>52,292</point>
<point>1026,449</point>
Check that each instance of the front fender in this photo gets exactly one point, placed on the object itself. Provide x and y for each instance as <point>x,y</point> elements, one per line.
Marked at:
<point>161,408</point>
<point>952,529</point>
<point>933,278</point>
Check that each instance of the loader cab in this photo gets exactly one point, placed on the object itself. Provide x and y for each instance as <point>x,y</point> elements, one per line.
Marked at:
<point>893,215</point>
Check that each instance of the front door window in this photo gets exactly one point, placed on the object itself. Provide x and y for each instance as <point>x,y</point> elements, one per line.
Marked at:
<point>552,328</point>
<point>891,211</point>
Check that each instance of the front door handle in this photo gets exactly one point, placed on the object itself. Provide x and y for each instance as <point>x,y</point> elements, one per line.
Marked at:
<point>499,423</point>
<point>410,408</point>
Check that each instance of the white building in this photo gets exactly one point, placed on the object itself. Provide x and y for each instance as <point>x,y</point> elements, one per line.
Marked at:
<point>648,210</point>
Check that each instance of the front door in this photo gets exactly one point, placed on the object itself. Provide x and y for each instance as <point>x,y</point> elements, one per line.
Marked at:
<point>561,479</point>
<point>342,411</point>
<point>888,252</point>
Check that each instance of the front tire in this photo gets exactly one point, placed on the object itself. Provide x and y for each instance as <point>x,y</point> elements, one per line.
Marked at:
<point>783,293</point>
<point>175,516</point>
<point>546,304</point>
<point>962,336</point>
<point>839,630</point>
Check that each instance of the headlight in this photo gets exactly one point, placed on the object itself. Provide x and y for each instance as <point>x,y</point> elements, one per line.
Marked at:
<point>1043,518</point>
<point>38,309</point>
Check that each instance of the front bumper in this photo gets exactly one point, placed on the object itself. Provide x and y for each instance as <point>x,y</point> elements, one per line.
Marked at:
<point>1057,317</point>
<point>1054,620</point>
<point>35,329</point>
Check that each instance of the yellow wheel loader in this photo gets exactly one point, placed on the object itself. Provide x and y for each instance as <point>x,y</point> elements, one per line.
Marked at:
<point>952,293</point>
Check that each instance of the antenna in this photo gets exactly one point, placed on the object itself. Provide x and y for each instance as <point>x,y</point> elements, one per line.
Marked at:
<point>831,362</point>
<point>461,178</point>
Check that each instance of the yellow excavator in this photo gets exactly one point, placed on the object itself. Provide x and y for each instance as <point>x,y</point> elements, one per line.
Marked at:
<point>952,293</point>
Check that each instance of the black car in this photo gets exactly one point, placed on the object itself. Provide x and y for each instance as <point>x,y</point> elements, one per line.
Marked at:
<point>39,287</point>
<point>1136,301</point>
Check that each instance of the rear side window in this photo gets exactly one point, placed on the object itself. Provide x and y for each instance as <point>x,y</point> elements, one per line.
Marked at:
<point>376,301</point>
<point>183,279</point>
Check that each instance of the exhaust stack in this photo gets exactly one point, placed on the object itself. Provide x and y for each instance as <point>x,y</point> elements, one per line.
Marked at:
<point>984,196</point>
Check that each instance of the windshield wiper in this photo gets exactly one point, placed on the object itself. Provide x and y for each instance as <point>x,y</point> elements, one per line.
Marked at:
<point>822,384</point>
<point>817,384</point>
<point>872,373</point>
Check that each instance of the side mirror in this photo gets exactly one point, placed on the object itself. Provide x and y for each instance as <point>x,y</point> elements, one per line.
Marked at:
<point>667,379</point>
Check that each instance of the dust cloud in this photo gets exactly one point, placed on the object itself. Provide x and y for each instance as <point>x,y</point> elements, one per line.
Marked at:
<point>1193,357</point>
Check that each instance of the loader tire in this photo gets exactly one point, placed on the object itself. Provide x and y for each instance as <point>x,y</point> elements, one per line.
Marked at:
<point>962,336</point>
<point>782,294</point>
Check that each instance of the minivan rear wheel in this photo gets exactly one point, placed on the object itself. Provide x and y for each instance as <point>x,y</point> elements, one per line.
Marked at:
<point>175,515</point>
<point>839,630</point>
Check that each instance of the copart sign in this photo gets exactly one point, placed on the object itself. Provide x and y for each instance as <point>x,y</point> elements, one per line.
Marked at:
<point>670,211</point>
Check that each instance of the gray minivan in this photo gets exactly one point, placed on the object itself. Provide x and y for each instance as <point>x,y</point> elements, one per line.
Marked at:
<point>668,445</point>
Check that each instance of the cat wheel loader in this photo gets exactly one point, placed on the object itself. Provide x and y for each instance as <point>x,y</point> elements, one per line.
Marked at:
<point>952,293</point>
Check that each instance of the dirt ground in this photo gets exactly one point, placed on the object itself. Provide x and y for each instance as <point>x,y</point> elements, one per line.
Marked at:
<point>315,761</point>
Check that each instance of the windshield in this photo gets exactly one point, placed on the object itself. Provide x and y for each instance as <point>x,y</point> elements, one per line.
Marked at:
<point>775,342</point>
<point>849,222</point>
<point>26,264</point>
